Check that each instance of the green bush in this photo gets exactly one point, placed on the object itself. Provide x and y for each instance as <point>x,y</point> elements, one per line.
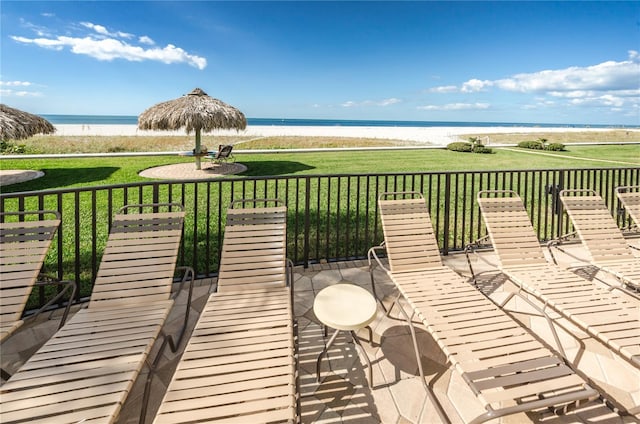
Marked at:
<point>463,146</point>
<point>540,144</point>
<point>11,149</point>
<point>479,148</point>
<point>460,146</point>
<point>536,145</point>
<point>556,147</point>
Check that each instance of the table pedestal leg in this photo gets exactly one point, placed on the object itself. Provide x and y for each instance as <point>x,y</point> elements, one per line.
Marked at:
<point>366,357</point>
<point>324,352</point>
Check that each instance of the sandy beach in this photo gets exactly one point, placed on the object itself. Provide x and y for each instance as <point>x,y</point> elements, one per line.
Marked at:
<point>433,135</point>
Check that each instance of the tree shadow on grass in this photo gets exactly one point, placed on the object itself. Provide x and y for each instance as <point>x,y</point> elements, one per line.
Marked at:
<point>273,167</point>
<point>62,177</point>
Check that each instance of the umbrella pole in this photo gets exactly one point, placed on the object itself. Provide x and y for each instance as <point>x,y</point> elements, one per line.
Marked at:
<point>197,150</point>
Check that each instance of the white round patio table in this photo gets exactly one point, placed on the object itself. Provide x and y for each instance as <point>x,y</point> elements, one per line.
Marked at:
<point>345,307</point>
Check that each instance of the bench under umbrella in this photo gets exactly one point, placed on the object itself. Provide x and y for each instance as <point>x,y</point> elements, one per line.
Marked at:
<point>195,111</point>
<point>16,124</point>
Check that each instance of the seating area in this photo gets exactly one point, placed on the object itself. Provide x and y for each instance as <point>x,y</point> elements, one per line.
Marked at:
<point>597,230</point>
<point>223,155</point>
<point>251,355</point>
<point>610,316</point>
<point>85,371</point>
<point>508,369</point>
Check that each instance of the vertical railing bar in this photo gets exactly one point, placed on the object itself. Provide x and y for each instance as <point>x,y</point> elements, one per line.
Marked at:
<point>94,235</point>
<point>220,223</point>
<point>347,218</point>
<point>327,253</point>
<point>207,232</point>
<point>447,211</point>
<point>455,211</point>
<point>183,244</point>
<point>194,259</point>
<point>77,235</point>
<point>437,223</point>
<point>357,216</point>
<point>318,220</point>
<point>338,210</point>
<point>296,223</point>
<point>464,211</point>
<point>61,232</point>
<point>306,221</point>
<point>367,241</point>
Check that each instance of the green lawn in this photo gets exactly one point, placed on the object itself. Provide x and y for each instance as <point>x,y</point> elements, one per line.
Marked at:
<point>82,172</point>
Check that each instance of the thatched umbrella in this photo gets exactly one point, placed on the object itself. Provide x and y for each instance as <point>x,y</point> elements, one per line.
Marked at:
<point>17,125</point>
<point>194,111</point>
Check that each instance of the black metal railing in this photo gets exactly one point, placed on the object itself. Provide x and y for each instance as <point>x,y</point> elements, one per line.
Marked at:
<point>331,217</point>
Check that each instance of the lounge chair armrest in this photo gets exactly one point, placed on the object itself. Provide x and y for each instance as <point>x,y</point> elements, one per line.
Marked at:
<point>289,280</point>
<point>189,275</point>
<point>473,248</point>
<point>556,243</point>
<point>371,254</point>
<point>67,285</point>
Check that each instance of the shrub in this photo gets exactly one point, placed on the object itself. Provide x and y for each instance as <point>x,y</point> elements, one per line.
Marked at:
<point>10,148</point>
<point>460,146</point>
<point>540,144</point>
<point>479,148</point>
<point>556,147</point>
<point>463,146</point>
<point>536,145</point>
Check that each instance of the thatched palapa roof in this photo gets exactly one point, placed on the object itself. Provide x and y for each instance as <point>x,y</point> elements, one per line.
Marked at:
<point>193,111</point>
<point>17,125</point>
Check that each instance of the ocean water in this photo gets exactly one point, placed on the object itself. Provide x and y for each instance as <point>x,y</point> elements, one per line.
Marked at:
<point>133,120</point>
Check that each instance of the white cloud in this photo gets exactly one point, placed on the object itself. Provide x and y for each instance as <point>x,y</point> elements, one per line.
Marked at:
<point>103,30</point>
<point>382,103</point>
<point>146,40</point>
<point>103,44</point>
<point>475,85</point>
<point>457,106</point>
<point>444,89</point>
<point>21,93</point>
<point>610,83</point>
<point>15,83</point>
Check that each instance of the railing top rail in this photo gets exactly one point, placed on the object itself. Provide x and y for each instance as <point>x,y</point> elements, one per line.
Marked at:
<point>305,176</point>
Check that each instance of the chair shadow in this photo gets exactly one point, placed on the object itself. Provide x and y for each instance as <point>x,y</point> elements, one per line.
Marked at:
<point>402,355</point>
<point>61,177</point>
<point>261,168</point>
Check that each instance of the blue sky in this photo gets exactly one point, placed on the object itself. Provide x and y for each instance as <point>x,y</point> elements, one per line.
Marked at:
<point>548,62</point>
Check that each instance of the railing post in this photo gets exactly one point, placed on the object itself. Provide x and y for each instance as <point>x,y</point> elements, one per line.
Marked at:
<point>307,221</point>
<point>447,213</point>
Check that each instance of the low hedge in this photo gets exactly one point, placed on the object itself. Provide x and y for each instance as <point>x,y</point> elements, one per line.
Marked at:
<point>460,146</point>
<point>540,144</point>
<point>466,147</point>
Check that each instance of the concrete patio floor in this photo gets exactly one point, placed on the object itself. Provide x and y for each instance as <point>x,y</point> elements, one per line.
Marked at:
<point>397,396</point>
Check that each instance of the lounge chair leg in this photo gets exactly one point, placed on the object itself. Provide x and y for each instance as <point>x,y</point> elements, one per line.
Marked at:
<point>370,334</point>
<point>430,394</point>
<point>324,352</point>
<point>547,317</point>
<point>394,303</point>
<point>415,341</point>
<point>373,288</point>
<point>364,353</point>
